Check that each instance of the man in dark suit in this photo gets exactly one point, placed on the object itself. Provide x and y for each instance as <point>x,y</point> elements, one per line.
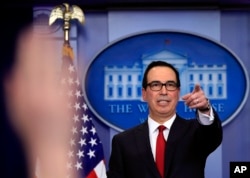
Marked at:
<point>136,153</point>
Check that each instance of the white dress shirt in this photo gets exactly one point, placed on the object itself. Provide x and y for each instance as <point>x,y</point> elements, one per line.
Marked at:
<point>203,119</point>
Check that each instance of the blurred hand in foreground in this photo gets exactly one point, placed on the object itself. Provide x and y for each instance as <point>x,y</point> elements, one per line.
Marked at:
<point>37,109</point>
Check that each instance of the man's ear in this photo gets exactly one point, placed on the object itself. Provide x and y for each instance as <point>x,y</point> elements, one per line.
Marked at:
<point>179,93</point>
<point>144,96</point>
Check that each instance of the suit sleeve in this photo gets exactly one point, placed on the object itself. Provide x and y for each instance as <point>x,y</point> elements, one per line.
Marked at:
<point>209,137</point>
<point>116,168</point>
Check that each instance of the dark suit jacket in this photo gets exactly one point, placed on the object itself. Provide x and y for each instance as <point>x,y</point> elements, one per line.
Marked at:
<point>189,144</point>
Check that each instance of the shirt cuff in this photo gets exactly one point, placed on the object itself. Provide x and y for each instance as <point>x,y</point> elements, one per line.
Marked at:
<point>206,119</point>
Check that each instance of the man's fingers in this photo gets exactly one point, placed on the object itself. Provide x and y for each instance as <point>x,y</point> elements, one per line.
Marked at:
<point>190,100</point>
<point>185,97</point>
<point>199,101</point>
<point>197,88</point>
<point>193,98</point>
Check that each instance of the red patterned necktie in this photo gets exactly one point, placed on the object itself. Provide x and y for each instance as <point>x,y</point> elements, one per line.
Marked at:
<point>160,150</point>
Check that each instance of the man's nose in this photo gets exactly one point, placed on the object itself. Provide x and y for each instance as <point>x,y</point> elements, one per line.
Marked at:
<point>163,90</point>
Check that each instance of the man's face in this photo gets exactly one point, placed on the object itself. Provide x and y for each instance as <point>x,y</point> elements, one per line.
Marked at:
<point>162,103</point>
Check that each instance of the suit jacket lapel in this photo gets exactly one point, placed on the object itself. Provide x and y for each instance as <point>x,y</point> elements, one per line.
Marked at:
<point>143,145</point>
<point>176,132</point>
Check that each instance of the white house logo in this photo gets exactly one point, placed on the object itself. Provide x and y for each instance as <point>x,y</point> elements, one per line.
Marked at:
<point>124,83</point>
<point>113,80</point>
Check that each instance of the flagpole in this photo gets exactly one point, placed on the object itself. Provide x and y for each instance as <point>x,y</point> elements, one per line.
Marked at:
<point>86,154</point>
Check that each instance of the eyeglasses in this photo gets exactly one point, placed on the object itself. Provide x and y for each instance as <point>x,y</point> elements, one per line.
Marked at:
<point>157,85</point>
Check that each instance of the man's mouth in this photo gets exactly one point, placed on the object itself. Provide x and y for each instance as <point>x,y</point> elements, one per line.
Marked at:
<point>163,101</point>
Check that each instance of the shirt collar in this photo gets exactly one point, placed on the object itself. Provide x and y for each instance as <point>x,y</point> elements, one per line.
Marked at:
<point>153,125</point>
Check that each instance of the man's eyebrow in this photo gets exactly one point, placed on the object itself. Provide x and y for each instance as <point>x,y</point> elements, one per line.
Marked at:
<point>171,81</point>
<point>155,81</point>
<point>163,82</point>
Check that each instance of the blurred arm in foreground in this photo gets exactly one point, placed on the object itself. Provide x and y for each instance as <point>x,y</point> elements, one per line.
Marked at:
<point>37,109</point>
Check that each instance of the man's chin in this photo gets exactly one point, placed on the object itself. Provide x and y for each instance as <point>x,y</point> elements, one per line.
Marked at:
<point>164,112</point>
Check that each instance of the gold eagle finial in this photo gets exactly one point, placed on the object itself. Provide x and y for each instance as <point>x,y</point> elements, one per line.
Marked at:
<point>66,13</point>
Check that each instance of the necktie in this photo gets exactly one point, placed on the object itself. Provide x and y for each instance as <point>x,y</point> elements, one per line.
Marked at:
<point>160,150</point>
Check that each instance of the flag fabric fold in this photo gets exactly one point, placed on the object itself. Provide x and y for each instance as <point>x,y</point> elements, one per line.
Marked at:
<point>86,156</point>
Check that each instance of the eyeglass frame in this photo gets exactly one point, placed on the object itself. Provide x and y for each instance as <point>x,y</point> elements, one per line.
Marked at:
<point>164,84</point>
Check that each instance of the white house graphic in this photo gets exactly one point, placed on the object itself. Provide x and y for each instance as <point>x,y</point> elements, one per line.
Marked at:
<point>124,82</point>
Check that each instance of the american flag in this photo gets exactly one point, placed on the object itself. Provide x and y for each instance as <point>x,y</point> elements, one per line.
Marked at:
<point>86,155</point>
